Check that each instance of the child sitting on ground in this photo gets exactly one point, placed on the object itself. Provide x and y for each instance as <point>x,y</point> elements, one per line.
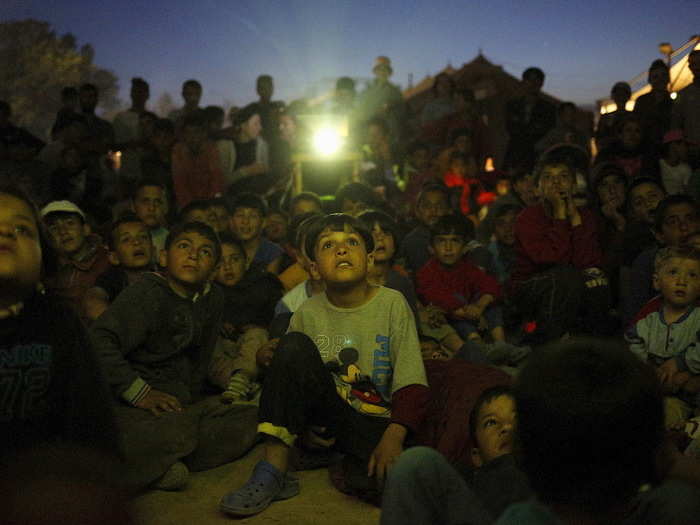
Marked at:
<point>463,291</point>
<point>250,296</point>
<point>247,213</point>
<point>667,337</point>
<point>155,344</point>
<point>376,392</point>
<point>81,256</point>
<point>47,365</point>
<point>130,253</point>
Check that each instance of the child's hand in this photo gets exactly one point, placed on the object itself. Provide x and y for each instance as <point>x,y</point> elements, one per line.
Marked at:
<point>220,370</point>
<point>386,452</point>
<point>472,312</point>
<point>156,402</point>
<point>667,371</point>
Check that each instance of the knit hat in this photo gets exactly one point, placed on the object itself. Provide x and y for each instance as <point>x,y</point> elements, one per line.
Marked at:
<point>61,206</point>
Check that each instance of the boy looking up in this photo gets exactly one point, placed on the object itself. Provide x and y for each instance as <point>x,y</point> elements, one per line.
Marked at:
<point>81,256</point>
<point>150,204</point>
<point>154,344</point>
<point>247,221</point>
<point>450,282</point>
<point>130,253</point>
<point>376,392</point>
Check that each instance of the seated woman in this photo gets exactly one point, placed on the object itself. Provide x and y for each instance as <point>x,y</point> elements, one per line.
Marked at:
<point>251,164</point>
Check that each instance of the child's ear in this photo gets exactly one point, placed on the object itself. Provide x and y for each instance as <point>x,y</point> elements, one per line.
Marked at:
<point>114,258</point>
<point>477,461</point>
<point>431,250</point>
<point>86,229</point>
<point>163,258</point>
<point>659,237</point>
<point>313,270</point>
<point>370,259</point>
<point>657,284</point>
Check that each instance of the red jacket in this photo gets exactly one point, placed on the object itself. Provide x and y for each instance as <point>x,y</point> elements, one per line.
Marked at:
<point>542,242</point>
<point>452,288</point>
<point>196,175</point>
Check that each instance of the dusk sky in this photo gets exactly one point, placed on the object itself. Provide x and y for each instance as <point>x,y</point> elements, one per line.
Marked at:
<point>584,47</point>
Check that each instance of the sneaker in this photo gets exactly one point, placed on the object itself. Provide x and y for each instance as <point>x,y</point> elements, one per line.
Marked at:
<point>175,478</point>
<point>266,484</point>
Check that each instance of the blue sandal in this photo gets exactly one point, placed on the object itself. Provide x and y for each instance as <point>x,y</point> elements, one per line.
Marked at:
<point>266,484</point>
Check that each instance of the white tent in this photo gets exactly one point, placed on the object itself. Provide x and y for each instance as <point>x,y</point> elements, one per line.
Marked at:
<point>680,77</point>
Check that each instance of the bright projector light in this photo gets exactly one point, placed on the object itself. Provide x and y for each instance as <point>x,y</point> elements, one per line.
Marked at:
<point>327,141</point>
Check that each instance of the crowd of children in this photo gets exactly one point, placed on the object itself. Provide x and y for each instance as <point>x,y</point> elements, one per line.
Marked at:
<point>170,313</point>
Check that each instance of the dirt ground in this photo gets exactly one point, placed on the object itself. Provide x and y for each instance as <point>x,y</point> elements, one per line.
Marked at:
<point>318,503</point>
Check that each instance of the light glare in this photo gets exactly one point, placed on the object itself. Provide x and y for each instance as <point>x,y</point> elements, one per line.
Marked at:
<point>326,141</point>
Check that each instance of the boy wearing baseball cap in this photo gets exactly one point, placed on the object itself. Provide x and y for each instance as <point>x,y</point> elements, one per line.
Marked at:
<point>81,256</point>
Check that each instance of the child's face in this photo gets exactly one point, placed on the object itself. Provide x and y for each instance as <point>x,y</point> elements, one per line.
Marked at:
<point>448,249</point>
<point>190,261</point>
<point>556,180</point>
<point>678,281</point>
<point>680,221</point>
<point>20,249</point>
<point>133,248</point>
<point>431,207</point>
<point>504,229</point>
<point>631,135</point>
<point>495,425</point>
<point>694,241</point>
<point>150,205</point>
<point>644,199</point>
<point>221,214</point>
<point>68,233</point>
<point>341,257</point>
<point>384,245</point>
<point>247,223</point>
<point>232,265</point>
<point>611,190</point>
<point>207,217</point>
<point>276,227</point>
<point>527,190</point>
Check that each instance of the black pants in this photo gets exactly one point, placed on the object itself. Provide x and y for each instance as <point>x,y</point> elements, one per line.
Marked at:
<point>556,297</point>
<point>299,391</point>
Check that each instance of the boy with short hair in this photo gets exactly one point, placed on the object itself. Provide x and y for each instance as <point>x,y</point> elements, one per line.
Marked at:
<point>502,248</point>
<point>219,210</point>
<point>81,256</point>
<point>377,391</point>
<point>200,210</point>
<point>247,221</point>
<point>675,219</point>
<point>150,204</point>
<point>667,336</point>
<point>250,296</point>
<point>432,203</point>
<point>455,285</point>
<point>304,202</point>
<point>130,253</point>
<point>154,344</point>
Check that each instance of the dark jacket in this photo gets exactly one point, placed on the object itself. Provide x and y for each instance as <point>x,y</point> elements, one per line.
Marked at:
<point>152,337</point>
<point>54,384</point>
<point>252,300</point>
